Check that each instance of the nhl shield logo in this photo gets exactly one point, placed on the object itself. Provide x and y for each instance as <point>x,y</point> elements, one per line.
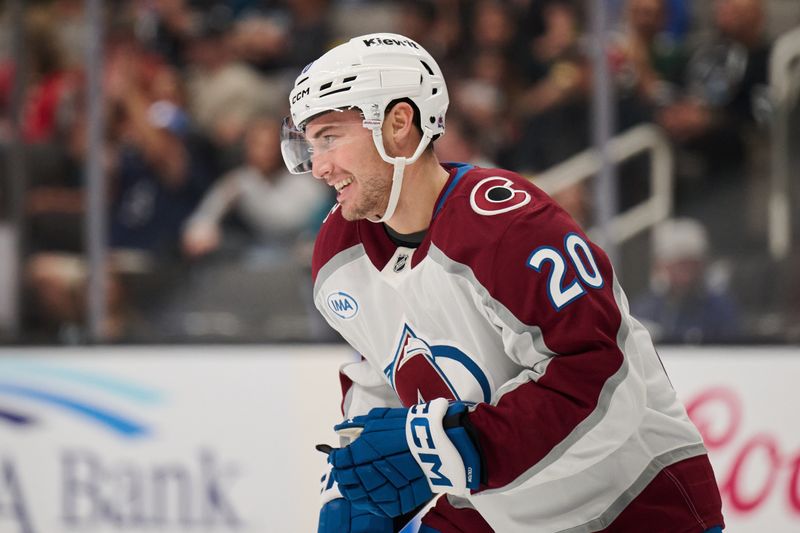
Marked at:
<point>401,262</point>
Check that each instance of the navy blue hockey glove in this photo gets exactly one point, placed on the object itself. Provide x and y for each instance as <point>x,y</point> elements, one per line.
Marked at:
<point>337,515</point>
<point>403,456</point>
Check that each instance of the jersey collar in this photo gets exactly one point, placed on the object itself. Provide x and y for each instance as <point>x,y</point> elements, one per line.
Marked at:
<point>460,170</point>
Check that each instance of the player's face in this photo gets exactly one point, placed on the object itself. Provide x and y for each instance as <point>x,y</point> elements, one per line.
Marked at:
<point>344,155</point>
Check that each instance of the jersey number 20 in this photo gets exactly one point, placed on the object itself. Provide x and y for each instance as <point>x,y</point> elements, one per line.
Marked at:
<point>561,295</point>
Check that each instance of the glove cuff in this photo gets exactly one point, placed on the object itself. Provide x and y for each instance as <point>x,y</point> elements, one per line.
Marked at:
<point>464,435</point>
<point>447,457</point>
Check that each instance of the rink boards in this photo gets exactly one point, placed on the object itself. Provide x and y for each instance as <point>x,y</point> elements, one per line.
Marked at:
<point>221,439</point>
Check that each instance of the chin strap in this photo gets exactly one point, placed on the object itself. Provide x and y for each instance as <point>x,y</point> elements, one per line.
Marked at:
<point>399,169</point>
<point>394,194</point>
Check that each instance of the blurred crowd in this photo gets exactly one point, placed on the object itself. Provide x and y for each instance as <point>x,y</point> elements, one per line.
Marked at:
<point>209,237</point>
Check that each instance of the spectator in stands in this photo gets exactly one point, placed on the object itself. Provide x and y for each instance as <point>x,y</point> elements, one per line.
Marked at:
<point>519,91</point>
<point>289,35</point>
<point>279,208</point>
<point>722,73</point>
<point>309,31</point>
<point>417,21</point>
<point>554,82</point>
<point>460,144</point>
<point>48,80</point>
<point>163,171</point>
<point>261,40</point>
<point>159,175</point>
<point>647,61</point>
<point>713,122</point>
<point>685,302</point>
<point>447,38</point>
<point>224,92</point>
<point>166,27</point>
<point>679,19</point>
<point>55,271</point>
<point>494,25</point>
<point>53,134</point>
<point>481,98</point>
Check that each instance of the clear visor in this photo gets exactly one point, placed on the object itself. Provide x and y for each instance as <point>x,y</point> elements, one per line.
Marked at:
<point>295,149</point>
<point>299,150</point>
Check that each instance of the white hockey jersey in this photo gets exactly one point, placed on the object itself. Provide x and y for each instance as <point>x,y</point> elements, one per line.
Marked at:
<point>506,303</point>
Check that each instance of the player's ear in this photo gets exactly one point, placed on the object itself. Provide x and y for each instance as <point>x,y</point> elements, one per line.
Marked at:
<point>399,126</point>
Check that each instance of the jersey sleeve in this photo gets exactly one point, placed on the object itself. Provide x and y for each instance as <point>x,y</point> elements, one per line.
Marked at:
<point>363,388</point>
<point>553,295</point>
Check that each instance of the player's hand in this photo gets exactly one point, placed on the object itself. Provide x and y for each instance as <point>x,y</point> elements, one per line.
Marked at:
<point>337,515</point>
<point>403,456</point>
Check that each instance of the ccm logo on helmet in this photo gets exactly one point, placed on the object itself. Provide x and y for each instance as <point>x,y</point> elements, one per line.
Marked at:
<point>398,42</point>
<point>300,95</point>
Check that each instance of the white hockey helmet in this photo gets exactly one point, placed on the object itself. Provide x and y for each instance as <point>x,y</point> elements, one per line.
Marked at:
<point>367,73</point>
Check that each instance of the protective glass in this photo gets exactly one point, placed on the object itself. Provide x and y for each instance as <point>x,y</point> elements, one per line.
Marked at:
<point>299,151</point>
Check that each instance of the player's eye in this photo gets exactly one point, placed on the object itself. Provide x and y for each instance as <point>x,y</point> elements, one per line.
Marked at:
<point>323,143</point>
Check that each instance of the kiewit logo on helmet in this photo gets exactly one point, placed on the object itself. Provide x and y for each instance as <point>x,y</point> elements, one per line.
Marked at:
<point>396,42</point>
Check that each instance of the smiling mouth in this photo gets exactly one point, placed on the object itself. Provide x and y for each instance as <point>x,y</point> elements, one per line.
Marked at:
<point>342,184</point>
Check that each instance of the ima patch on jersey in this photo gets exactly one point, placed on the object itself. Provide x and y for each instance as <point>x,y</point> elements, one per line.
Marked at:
<point>421,372</point>
<point>342,304</point>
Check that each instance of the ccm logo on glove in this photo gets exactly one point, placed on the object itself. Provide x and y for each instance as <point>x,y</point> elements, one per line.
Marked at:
<point>447,468</point>
<point>423,440</point>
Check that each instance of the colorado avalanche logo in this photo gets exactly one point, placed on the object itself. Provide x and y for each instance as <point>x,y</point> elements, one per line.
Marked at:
<point>421,372</point>
<point>495,195</point>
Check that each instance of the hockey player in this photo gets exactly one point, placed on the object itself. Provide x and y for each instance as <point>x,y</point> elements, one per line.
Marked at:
<point>501,369</point>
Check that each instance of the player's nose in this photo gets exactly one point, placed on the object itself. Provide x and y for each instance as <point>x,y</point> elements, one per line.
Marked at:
<point>321,166</point>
